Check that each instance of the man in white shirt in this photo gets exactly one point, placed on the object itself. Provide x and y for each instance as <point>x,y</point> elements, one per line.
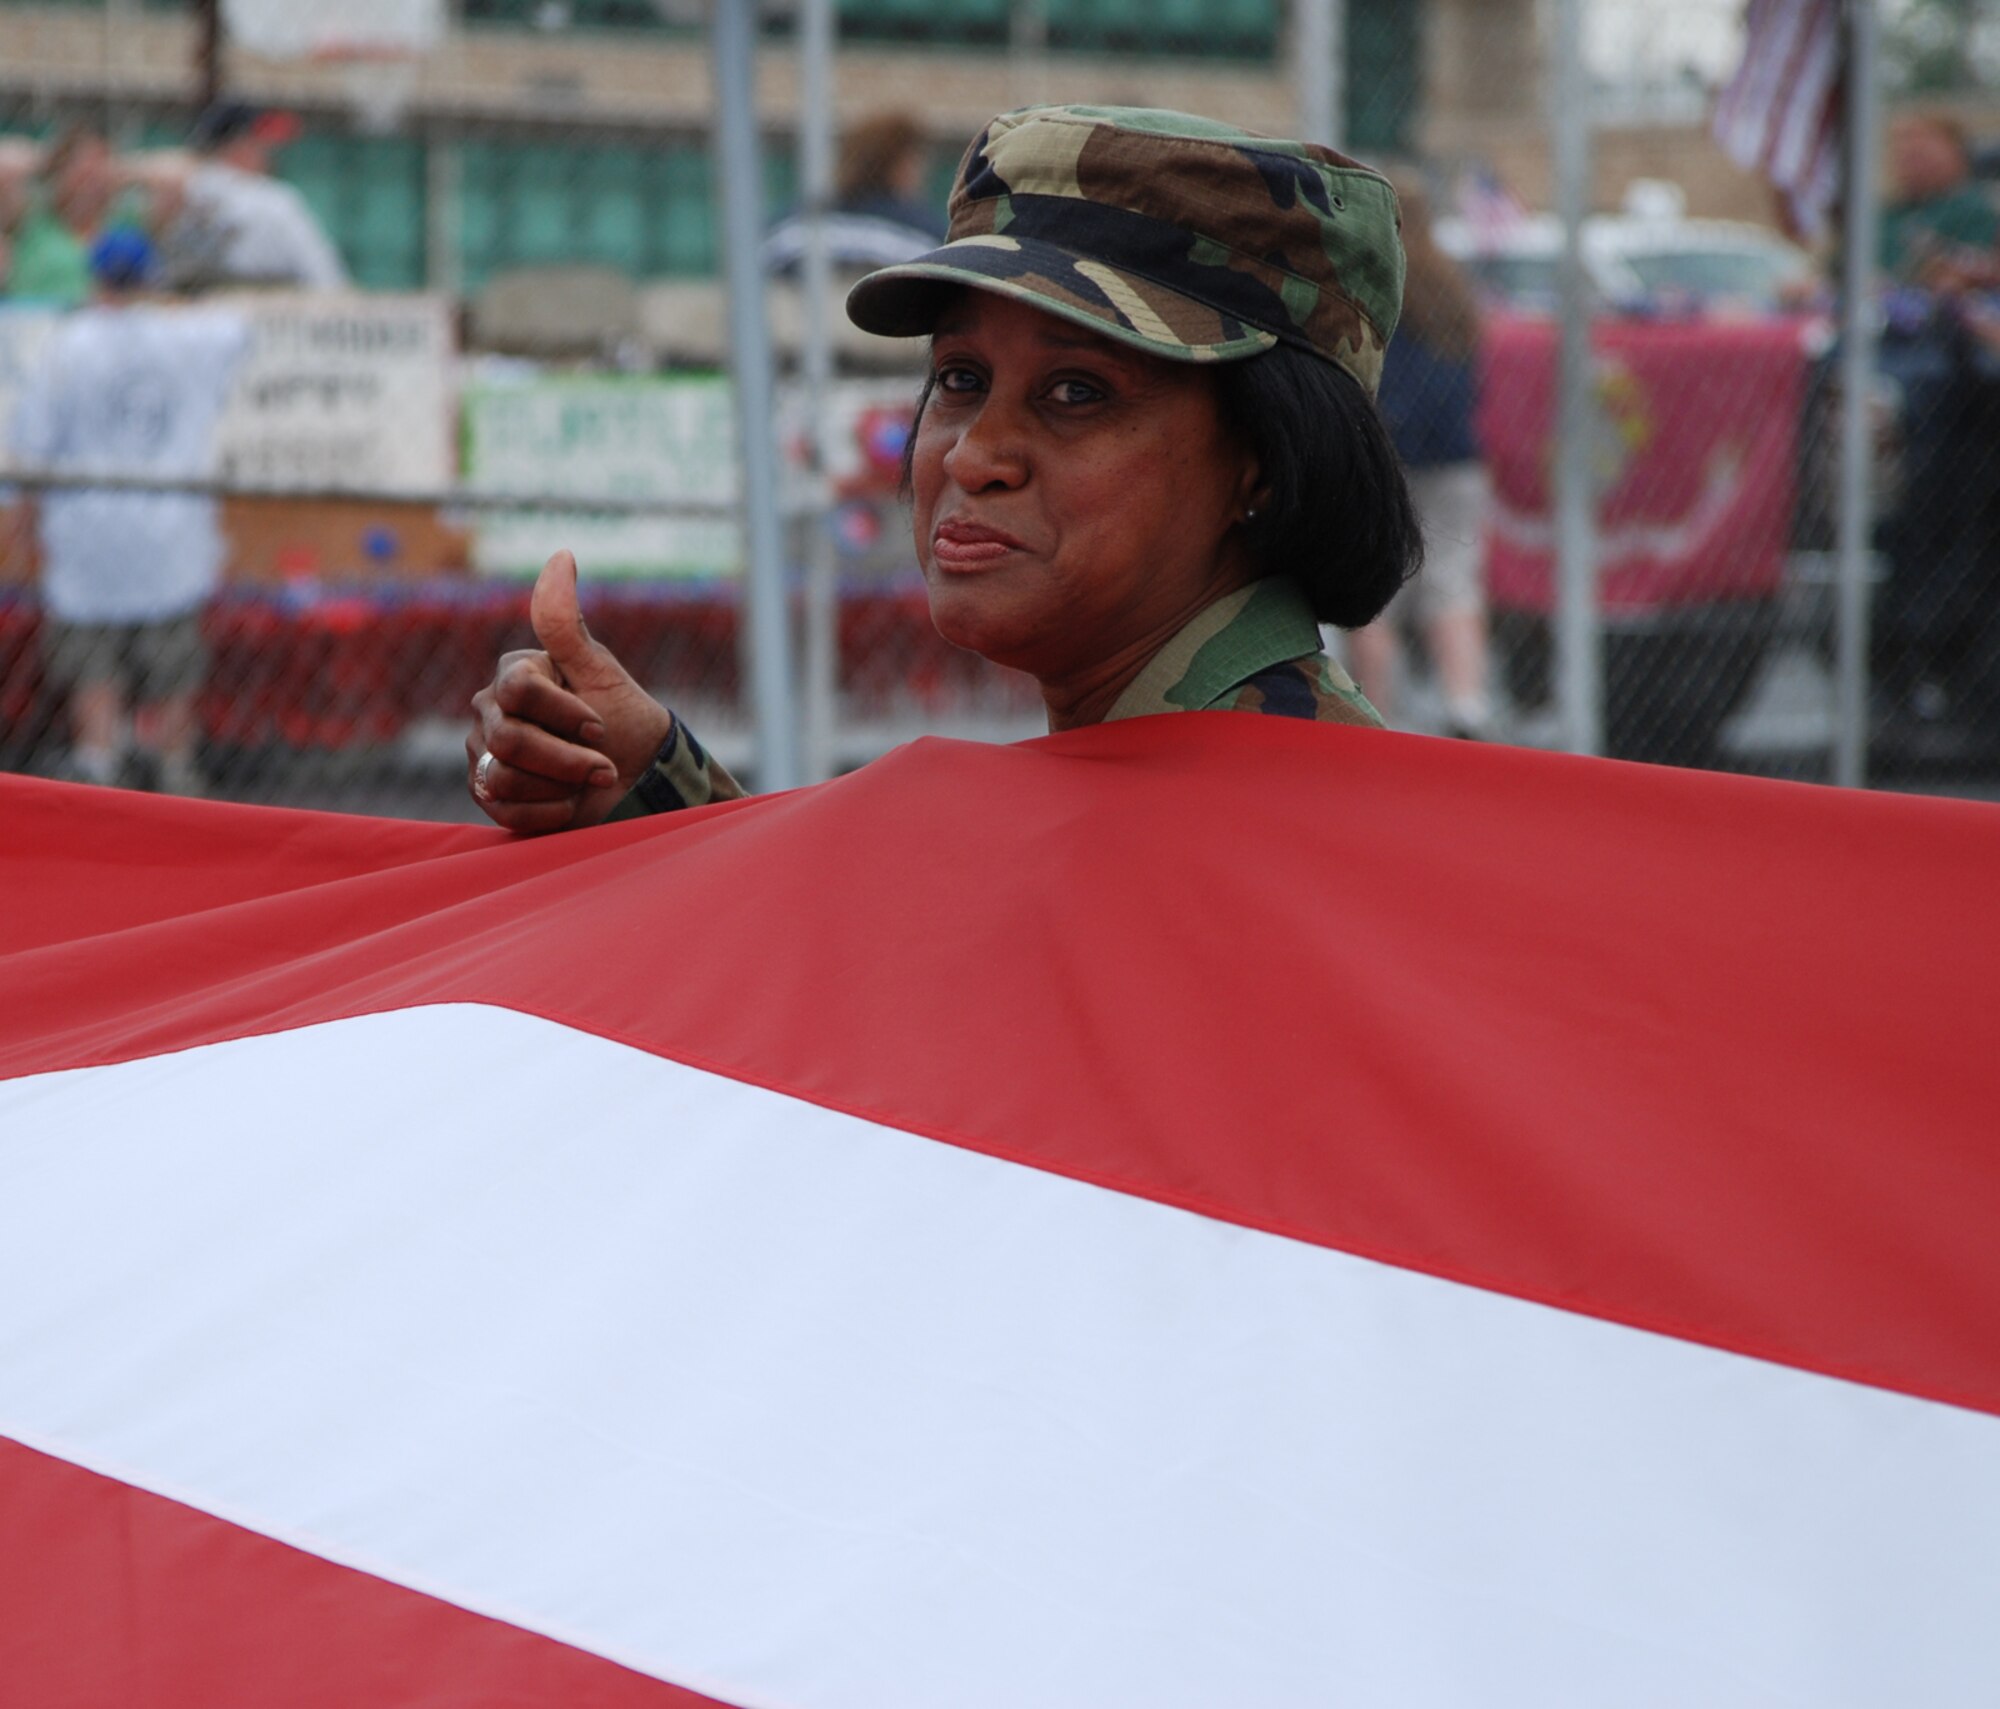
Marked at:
<point>225,221</point>
<point>131,390</point>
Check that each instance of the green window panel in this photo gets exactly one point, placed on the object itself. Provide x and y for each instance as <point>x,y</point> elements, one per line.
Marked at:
<point>616,14</point>
<point>680,203</point>
<point>369,194</point>
<point>1232,28</point>
<point>647,211</point>
<point>613,211</point>
<point>1384,75</point>
<point>519,13</point>
<point>543,201</point>
<point>942,175</point>
<point>479,236</point>
<point>968,21</point>
<point>556,15</point>
<point>487,175</point>
<point>1098,25</point>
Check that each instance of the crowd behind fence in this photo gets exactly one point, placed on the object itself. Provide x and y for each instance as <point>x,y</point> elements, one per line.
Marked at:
<point>295,397</point>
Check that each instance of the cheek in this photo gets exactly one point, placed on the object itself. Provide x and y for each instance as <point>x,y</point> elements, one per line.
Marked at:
<point>926,478</point>
<point>1157,492</point>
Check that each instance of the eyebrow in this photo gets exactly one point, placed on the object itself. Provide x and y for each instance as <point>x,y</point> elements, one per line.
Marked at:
<point>951,325</point>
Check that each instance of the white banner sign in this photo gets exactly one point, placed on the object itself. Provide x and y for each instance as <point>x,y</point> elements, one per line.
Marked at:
<point>343,392</point>
<point>669,439</point>
<point>23,333</point>
<point>284,29</point>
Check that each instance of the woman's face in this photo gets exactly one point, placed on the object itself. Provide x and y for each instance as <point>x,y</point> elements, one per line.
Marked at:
<point>1075,501</point>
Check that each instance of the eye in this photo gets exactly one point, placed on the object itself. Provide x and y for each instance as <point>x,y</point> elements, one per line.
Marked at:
<point>1072,390</point>
<point>957,378</point>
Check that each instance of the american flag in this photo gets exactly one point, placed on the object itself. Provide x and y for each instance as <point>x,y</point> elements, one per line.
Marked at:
<point>1780,115</point>
<point>1490,210</point>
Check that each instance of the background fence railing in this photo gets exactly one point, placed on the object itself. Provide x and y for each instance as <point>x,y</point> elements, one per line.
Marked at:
<point>268,523</point>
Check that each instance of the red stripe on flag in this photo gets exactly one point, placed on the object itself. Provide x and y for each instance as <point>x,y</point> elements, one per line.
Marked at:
<point>1700,1054</point>
<point>1791,61</point>
<point>113,1595</point>
<point>108,860</point>
<point>1784,94</point>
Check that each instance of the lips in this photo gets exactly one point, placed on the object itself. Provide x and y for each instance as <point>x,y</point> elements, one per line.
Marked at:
<point>959,544</point>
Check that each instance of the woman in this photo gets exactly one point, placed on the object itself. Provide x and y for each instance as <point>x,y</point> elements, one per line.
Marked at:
<point>880,213</point>
<point>1429,389</point>
<point>1145,466</point>
<point>881,174</point>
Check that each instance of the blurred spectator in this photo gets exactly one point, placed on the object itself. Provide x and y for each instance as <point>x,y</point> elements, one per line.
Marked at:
<point>1429,387</point>
<point>1937,629</point>
<point>19,160</point>
<point>132,390</point>
<point>1940,228</point>
<point>224,220</point>
<point>880,215</point>
<point>882,174</point>
<point>65,210</point>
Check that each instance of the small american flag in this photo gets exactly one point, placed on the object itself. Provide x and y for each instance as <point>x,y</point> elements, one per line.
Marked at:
<point>1490,210</point>
<point>1780,115</point>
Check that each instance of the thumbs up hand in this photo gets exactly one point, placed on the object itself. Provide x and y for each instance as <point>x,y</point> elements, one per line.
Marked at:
<point>560,734</point>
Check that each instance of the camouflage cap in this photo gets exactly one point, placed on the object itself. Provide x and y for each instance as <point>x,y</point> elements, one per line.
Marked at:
<point>1193,240</point>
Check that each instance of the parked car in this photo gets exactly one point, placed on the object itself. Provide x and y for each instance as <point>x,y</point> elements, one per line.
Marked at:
<point>1648,258</point>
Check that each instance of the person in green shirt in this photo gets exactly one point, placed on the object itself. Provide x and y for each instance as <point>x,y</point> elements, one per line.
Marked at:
<point>1940,228</point>
<point>1936,635</point>
<point>66,212</point>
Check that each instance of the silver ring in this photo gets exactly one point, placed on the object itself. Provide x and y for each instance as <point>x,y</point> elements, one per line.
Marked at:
<point>480,790</point>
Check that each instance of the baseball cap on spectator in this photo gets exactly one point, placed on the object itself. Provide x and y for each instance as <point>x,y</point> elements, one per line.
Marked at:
<point>225,121</point>
<point>122,259</point>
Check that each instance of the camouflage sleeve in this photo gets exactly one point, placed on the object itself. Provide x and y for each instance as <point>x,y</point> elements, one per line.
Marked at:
<point>1312,687</point>
<point>682,775</point>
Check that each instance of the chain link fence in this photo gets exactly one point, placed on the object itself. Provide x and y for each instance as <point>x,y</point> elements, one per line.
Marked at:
<point>312,348</point>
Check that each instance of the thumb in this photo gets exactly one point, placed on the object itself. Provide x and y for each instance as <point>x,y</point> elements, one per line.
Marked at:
<point>556,615</point>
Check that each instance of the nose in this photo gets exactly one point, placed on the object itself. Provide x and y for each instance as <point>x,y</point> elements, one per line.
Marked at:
<point>991,450</point>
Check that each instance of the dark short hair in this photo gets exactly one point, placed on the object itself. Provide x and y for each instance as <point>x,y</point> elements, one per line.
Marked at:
<point>1337,516</point>
<point>218,125</point>
<point>872,150</point>
<point>221,124</point>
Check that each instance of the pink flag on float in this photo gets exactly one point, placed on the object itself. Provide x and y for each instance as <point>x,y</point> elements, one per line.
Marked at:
<point>1692,459</point>
<point>1200,1210</point>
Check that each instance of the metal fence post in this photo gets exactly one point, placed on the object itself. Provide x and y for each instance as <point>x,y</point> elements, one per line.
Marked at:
<point>1579,651</point>
<point>1028,50</point>
<point>817,26</point>
<point>766,629</point>
<point>1319,69</point>
<point>442,237</point>
<point>1857,376</point>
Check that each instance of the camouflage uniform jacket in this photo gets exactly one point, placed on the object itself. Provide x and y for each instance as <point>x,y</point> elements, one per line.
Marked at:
<point>1255,650</point>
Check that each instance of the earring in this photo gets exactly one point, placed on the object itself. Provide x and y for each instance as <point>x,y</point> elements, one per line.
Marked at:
<point>1250,514</point>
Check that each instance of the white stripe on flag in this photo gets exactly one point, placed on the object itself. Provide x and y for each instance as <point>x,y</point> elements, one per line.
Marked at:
<point>1779,114</point>
<point>1800,122</point>
<point>795,1409</point>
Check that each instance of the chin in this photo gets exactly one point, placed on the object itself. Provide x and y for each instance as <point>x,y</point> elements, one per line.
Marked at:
<point>979,617</point>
